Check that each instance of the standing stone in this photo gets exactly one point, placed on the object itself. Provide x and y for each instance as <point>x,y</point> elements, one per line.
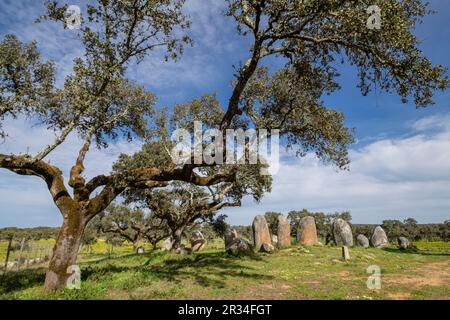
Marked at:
<point>403,243</point>
<point>229,236</point>
<point>284,232</point>
<point>261,232</point>
<point>362,241</point>
<point>307,232</point>
<point>167,244</point>
<point>345,253</point>
<point>197,241</point>
<point>379,238</point>
<point>342,233</point>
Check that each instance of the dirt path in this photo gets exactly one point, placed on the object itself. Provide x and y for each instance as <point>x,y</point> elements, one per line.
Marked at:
<point>434,274</point>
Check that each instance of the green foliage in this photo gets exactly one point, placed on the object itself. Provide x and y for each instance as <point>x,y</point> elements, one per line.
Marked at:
<point>272,221</point>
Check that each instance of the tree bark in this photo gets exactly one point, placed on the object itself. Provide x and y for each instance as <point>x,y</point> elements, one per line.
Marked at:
<point>65,251</point>
<point>177,239</point>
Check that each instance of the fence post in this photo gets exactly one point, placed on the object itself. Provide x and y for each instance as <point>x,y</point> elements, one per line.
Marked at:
<point>22,245</point>
<point>7,254</point>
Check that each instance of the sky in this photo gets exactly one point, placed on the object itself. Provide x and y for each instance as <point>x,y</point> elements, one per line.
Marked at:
<point>400,164</point>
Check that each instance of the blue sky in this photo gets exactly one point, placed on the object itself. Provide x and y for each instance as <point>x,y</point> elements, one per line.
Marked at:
<point>400,165</point>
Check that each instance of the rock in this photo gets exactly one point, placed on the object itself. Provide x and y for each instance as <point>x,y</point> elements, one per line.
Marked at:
<point>261,232</point>
<point>167,244</point>
<point>379,238</point>
<point>303,250</point>
<point>284,232</point>
<point>11,265</point>
<point>238,246</point>
<point>229,236</point>
<point>198,245</point>
<point>140,250</point>
<point>183,250</point>
<point>342,233</point>
<point>345,253</point>
<point>307,232</point>
<point>267,248</point>
<point>197,241</point>
<point>274,239</point>
<point>403,243</point>
<point>362,241</point>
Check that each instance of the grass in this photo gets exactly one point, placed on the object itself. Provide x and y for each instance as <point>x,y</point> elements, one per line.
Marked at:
<point>293,273</point>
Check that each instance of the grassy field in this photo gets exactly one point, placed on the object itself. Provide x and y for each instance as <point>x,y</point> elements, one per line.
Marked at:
<point>293,273</point>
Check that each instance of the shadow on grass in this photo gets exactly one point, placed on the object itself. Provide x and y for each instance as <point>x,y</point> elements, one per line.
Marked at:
<point>205,269</point>
<point>18,280</point>
<point>415,250</point>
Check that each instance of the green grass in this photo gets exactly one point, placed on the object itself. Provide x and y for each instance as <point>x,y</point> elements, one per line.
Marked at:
<point>293,273</point>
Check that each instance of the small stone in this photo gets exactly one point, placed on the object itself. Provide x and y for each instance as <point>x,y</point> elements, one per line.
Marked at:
<point>274,239</point>
<point>229,236</point>
<point>238,246</point>
<point>342,233</point>
<point>197,240</point>
<point>140,250</point>
<point>345,253</point>
<point>362,241</point>
<point>403,243</point>
<point>183,250</point>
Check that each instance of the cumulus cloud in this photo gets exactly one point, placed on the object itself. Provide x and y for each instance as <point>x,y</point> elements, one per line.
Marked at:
<point>389,177</point>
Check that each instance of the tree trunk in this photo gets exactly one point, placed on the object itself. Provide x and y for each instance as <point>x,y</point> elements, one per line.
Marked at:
<point>177,239</point>
<point>65,250</point>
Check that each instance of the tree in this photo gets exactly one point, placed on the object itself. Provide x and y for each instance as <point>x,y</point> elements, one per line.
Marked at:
<point>411,228</point>
<point>99,103</point>
<point>91,233</point>
<point>132,225</point>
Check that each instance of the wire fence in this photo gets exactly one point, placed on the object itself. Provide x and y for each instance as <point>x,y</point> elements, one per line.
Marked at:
<point>21,253</point>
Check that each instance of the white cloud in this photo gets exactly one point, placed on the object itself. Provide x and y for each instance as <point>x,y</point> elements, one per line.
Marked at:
<point>388,179</point>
